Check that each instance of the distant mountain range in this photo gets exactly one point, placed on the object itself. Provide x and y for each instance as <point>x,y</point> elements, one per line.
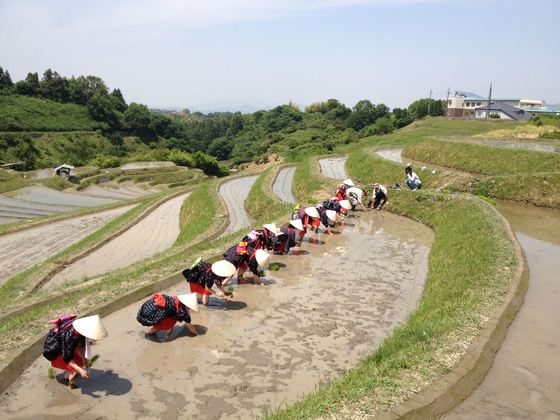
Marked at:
<point>209,108</point>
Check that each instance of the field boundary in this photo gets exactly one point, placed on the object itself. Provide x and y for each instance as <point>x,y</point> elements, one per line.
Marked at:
<point>57,269</point>
<point>454,387</point>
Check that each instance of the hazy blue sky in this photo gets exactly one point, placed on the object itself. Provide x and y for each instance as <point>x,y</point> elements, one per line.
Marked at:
<point>215,53</point>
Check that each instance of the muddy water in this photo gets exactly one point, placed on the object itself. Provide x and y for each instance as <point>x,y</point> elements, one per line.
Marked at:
<point>334,167</point>
<point>157,232</point>
<point>235,193</point>
<point>21,250</point>
<point>282,186</point>
<point>332,302</point>
<point>145,165</point>
<point>524,381</point>
<point>394,155</point>
<point>44,195</point>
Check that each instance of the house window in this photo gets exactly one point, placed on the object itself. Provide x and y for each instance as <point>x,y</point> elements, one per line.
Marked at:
<point>478,103</point>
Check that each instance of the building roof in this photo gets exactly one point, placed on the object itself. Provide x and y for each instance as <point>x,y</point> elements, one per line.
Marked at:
<point>511,111</point>
<point>467,95</point>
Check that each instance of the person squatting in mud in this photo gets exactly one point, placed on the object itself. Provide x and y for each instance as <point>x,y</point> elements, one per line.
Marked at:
<point>379,197</point>
<point>161,313</point>
<point>202,276</point>
<point>67,345</point>
<point>243,256</point>
<point>309,217</point>
<point>288,236</point>
<point>342,189</point>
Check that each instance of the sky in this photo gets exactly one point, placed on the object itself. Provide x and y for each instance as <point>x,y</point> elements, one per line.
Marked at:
<point>229,54</point>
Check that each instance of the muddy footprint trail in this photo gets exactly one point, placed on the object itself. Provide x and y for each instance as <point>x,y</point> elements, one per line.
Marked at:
<point>21,250</point>
<point>234,194</point>
<point>282,186</point>
<point>270,346</point>
<point>334,167</point>
<point>154,234</point>
<point>524,380</point>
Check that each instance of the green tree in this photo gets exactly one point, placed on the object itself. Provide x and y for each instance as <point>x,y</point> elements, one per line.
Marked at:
<point>29,86</point>
<point>5,79</point>
<point>118,99</point>
<point>138,120</point>
<point>419,108</point>
<point>101,108</point>
<point>54,87</point>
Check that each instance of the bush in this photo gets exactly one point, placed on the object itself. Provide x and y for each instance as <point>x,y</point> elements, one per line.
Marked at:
<point>181,158</point>
<point>104,162</point>
<point>209,164</point>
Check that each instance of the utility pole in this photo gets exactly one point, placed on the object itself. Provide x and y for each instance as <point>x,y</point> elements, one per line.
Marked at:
<point>447,102</point>
<point>489,101</point>
<point>430,103</point>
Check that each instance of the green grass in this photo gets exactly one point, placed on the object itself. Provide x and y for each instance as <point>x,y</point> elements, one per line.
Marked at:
<point>309,185</point>
<point>24,113</point>
<point>199,213</point>
<point>12,289</point>
<point>261,204</point>
<point>538,189</point>
<point>10,181</point>
<point>481,159</point>
<point>470,267</point>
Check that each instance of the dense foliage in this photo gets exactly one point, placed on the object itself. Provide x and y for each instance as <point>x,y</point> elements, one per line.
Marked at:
<point>56,103</point>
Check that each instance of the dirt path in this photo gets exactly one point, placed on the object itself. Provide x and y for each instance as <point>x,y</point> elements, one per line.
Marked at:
<point>524,381</point>
<point>334,167</point>
<point>157,232</point>
<point>20,250</point>
<point>235,193</point>
<point>270,347</point>
<point>282,186</point>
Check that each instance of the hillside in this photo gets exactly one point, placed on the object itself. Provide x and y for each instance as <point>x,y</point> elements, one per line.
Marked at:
<point>25,113</point>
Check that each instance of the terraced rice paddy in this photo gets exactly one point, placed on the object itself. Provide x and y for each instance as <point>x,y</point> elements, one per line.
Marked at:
<point>333,167</point>
<point>235,193</point>
<point>154,234</point>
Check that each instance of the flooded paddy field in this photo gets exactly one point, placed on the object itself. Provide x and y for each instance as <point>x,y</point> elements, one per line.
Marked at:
<point>21,250</point>
<point>157,232</point>
<point>331,303</point>
<point>394,155</point>
<point>333,167</point>
<point>234,193</point>
<point>524,381</point>
<point>282,186</point>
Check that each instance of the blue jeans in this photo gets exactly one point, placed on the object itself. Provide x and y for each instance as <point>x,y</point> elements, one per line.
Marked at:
<point>413,184</point>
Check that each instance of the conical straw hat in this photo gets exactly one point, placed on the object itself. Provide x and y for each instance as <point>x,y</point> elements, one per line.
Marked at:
<point>345,204</point>
<point>263,258</point>
<point>311,212</point>
<point>297,224</point>
<point>223,268</point>
<point>331,215</point>
<point>348,182</point>
<point>189,300</point>
<point>271,227</point>
<point>90,327</point>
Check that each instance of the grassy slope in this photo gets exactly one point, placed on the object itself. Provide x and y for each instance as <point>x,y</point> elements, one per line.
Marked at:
<point>458,296</point>
<point>261,204</point>
<point>10,180</point>
<point>24,113</point>
<point>482,159</point>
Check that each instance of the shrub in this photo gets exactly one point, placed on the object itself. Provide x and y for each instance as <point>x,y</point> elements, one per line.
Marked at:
<point>181,158</point>
<point>104,162</point>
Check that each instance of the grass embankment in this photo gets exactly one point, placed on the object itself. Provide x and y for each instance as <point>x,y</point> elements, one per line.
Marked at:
<point>25,113</point>
<point>482,159</point>
<point>309,185</point>
<point>538,189</point>
<point>19,329</point>
<point>262,205</point>
<point>10,181</point>
<point>12,290</point>
<point>200,213</point>
<point>470,268</point>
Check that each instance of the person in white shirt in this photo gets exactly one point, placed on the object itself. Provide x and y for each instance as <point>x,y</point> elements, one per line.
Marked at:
<point>412,180</point>
<point>355,196</point>
<point>379,197</point>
